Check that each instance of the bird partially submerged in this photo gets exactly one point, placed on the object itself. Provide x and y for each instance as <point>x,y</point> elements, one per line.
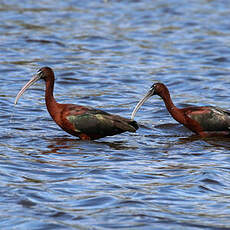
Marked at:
<point>204,120</point>
<point>86,123</point>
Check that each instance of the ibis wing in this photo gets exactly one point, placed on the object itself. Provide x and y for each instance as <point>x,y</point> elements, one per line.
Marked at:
<point>224,111</point>
<point>97,122</point>
<point>210,118</point>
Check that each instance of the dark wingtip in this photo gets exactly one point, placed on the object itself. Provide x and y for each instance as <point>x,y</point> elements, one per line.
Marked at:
<point>134,124</point>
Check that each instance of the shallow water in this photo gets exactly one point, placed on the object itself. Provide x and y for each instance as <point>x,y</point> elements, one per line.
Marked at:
<point>107,54</point>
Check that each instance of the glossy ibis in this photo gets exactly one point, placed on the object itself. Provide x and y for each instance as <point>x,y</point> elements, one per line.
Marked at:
<point>84,122</point>
<point>204,120</point>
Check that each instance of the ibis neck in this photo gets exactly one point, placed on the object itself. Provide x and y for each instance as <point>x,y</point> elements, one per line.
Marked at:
<point>173,110</point>
<point>51,103</point>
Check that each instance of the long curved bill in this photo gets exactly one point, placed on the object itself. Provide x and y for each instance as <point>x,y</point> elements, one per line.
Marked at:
<point>141,102</point>
<point>35,78</point>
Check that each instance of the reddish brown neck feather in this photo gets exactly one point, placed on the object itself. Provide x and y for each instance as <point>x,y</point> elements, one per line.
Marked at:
<point>176,113</point>
<point>51,104</point>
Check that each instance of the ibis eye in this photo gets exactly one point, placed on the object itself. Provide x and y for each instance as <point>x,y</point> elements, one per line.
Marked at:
<point>153,86</point>
<point>40,73</point>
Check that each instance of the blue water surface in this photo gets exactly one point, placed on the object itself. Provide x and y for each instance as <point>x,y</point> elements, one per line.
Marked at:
<point>107,54</point>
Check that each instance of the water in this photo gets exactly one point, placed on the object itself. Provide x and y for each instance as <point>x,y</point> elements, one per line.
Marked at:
<point>107,54</point>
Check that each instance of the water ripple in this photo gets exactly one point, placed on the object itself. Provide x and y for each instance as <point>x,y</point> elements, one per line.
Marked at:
<point>107,54</point>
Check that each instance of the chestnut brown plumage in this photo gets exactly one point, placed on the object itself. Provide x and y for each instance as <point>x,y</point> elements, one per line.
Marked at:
<point>203,120</point>
<point>86,123</point>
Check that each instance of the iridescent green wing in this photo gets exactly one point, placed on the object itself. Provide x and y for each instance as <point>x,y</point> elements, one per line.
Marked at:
<point>211,118</point>
<point>97,122</point>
